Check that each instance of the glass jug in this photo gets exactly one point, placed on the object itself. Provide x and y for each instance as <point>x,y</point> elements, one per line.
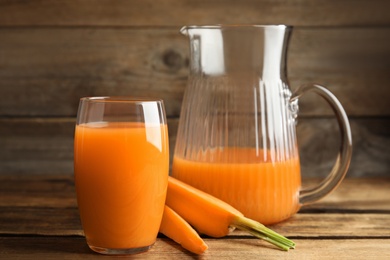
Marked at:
<point>236,136</point>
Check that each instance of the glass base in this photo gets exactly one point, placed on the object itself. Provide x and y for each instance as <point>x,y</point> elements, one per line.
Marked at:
<point>120,251</point>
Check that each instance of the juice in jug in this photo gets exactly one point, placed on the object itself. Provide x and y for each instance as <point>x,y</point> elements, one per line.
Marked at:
<point>262,190</point>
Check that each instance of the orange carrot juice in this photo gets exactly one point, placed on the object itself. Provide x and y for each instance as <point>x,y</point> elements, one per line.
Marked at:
<point>262,190</point>
<point>121,174</point>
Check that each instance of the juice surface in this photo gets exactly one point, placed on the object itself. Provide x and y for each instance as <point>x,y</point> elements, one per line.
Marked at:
<point>262,190</point>
<point>121,172</point>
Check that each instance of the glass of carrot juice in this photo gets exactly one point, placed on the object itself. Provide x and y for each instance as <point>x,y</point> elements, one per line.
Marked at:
<point>121,165</point>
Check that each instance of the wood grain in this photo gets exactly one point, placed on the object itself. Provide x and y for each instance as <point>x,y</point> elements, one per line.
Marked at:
<point>52,191</point>
<point>65,222</point>
<point>45,145</point>
<point>54,52</point>
<point>58,191</point>
<point>310,249</point>
<point>164,248</point>
<point>46,205</point>
<point>179,12</point>
<point>52,68</point>
<point>32,224</point>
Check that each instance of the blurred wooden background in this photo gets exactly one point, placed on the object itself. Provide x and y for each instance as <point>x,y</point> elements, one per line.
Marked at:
<point>54,52</point>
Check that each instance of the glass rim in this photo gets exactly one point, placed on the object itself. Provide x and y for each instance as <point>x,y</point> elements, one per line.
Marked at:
<point>120,99</point>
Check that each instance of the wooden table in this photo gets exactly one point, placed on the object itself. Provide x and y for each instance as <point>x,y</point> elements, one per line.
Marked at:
<point>39,220</point>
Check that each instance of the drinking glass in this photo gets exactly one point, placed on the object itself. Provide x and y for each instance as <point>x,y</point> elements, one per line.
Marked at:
<point>121,164</point>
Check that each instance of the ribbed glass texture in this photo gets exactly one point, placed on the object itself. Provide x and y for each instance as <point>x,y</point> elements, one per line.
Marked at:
<point>237,94</point>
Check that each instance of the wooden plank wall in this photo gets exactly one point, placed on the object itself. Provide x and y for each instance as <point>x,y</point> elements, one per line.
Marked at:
<point>54,52</point>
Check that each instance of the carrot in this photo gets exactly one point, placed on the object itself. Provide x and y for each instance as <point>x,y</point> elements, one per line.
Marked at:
<point>176,228</point>
<point>213,217</point>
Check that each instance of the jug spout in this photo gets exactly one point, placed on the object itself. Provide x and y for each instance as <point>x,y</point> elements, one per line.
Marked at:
<point>184,30</point>
<point>207,49</point>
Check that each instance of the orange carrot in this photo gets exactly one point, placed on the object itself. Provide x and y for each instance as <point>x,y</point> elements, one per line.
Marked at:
<point>176,228</point>
<point>213,217</point>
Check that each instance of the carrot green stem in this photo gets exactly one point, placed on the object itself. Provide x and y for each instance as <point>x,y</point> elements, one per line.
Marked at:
<point>259,230</point>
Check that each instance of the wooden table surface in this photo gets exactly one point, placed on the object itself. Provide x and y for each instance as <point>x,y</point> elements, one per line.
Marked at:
<point>39,220</point>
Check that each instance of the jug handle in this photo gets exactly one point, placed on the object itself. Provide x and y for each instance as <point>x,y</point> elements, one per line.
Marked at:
<point>340,168</point>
